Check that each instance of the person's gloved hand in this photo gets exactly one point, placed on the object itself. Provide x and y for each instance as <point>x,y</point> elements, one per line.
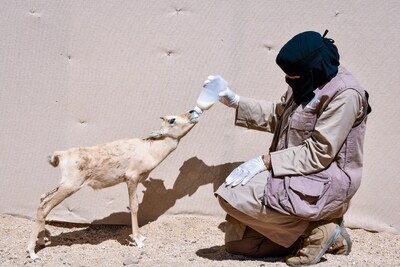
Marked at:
<point>229,98</point>
<point>245,172</point>
<point>226,96</point>
<point>220,83</point>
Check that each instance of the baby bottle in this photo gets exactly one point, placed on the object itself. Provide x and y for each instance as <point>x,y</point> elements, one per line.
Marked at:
<point>209,94</point>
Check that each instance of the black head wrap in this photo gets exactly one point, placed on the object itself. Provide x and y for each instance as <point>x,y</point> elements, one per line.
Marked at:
<point>312,57</point>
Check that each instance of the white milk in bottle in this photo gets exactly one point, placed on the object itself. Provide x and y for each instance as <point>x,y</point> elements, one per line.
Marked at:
<point>209,94</point>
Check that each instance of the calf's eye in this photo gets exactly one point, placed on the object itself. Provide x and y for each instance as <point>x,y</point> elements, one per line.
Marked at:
<point>171,121</point>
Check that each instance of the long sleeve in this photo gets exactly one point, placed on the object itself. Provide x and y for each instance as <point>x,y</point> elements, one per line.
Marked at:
<point>258,115</point>
<point>331,130</point>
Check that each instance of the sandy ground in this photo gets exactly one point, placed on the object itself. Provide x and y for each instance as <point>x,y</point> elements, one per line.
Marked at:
<point>180,240</point>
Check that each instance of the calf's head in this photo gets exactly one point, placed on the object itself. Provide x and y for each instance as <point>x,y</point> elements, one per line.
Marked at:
<point>176,126</point>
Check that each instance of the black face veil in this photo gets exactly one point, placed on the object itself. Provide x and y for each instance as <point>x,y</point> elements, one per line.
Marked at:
<point>312,57</point>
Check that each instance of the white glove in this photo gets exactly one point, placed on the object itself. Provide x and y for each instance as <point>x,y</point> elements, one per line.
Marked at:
<point>226,96</point>
<point>246,171</point>
<point>220,83</point>
<point>229,98</point>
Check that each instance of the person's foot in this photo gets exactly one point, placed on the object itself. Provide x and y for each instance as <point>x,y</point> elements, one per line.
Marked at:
<point>315,245</point>
<point>342,245</point>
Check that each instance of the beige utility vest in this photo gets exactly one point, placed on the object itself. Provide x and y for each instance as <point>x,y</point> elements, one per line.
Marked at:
<point>325,194</point>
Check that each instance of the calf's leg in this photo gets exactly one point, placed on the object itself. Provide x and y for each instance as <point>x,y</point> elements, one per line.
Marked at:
<point>134,205</point>
<point>47,203</point>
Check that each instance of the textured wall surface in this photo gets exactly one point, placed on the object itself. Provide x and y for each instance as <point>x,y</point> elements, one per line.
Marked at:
<point>79,73</point>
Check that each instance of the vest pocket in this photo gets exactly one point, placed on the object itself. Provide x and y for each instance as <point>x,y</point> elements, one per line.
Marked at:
<point>301,127</point>
<point>317,196</point>
<point>306,187</point>
<point>306,194</point>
